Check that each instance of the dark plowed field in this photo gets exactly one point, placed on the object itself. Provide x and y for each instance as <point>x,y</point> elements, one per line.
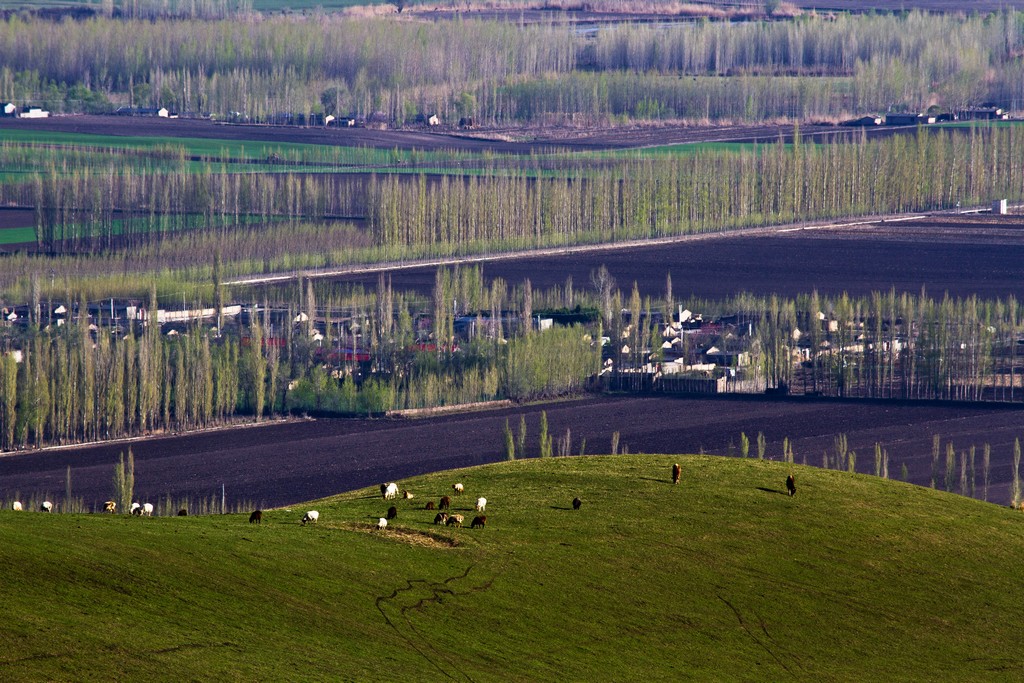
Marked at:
<point>505,141</point>
<point>17,218</point>
<point>962,255</point>
<point>287,463</point>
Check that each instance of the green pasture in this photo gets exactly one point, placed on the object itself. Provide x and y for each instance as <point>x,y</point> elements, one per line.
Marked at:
<point>206,148</point>
<point>723,577</point>
<point>138,225</point>
<point>17,235</point>
<point>240,153</point>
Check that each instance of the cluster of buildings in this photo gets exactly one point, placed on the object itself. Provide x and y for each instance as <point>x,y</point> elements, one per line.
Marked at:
<point>918,118</point>
<point>13,111</point>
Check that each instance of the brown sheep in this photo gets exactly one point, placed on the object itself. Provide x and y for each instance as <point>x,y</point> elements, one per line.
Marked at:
<point>109,506</point>
<point>791,484</point>
<point>392,512</point>
<point>455,520</point>
<point>256,517</point>
<point>576,503</point>
<point>479,521</point>
<point>430,505</point>
<point>677,472</point>
<point>441,518</point>
<point>445,503</point>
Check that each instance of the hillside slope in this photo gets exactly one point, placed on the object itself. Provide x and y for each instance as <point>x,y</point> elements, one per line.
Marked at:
<point>723,577</point>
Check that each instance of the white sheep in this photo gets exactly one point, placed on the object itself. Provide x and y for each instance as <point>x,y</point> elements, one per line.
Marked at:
<point>458,488</point>
<point>455,520</point>
<point>136,509</point>
<point>310,517</point>
<point>408,495</point>
<point>147,510</point>
<point>47,506</point>
<point>481,504</point>
<point>382,523</point>
<point>389,491</point>
<point>16,505</point>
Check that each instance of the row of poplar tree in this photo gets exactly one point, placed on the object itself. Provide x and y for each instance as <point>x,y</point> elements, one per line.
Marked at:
<point>500,71</point>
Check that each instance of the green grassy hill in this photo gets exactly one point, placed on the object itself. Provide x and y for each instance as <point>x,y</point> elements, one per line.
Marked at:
<point>723,577</point>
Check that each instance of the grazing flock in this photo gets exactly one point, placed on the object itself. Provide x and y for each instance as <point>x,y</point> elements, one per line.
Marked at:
<point>388,491</point>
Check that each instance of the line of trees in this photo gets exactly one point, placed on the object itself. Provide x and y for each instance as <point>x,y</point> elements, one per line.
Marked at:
<point>175,220</point>
<point>500,71</point>
<point>893,345</point>
<point>81,381</point>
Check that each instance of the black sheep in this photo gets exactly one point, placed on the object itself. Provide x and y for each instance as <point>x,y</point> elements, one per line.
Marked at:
<point>791,484</point>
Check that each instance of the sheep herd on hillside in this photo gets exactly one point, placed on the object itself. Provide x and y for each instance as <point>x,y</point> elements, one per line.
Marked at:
<point>388,491</point>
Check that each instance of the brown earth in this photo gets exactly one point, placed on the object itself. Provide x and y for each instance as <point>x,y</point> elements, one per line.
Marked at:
<point>17,218</point>
<point>287,463</point>
<point>958,254</point>
<point>512,140</point>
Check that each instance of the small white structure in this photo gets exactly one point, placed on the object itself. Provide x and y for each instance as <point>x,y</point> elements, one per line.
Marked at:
<point>999,207</point>
<point>10,109</point>
<point>432,120</point>
<point>34,113</point>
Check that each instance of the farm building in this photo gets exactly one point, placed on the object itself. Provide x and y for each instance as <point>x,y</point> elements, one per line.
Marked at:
<point>863,121</point>
<point>162,112</point>
<point>10,110</point>
<point>912,119</point>
<point>982,114</point>
<point>427,119</point>
<point>33,113</point>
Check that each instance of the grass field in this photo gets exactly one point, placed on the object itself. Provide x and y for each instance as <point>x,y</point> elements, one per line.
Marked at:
<point>723,577</point>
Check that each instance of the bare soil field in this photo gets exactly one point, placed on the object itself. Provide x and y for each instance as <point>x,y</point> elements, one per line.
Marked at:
<point>518,140</point>
<point>958,254</point>
<point>17,218</point>
<point>286,463</point>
